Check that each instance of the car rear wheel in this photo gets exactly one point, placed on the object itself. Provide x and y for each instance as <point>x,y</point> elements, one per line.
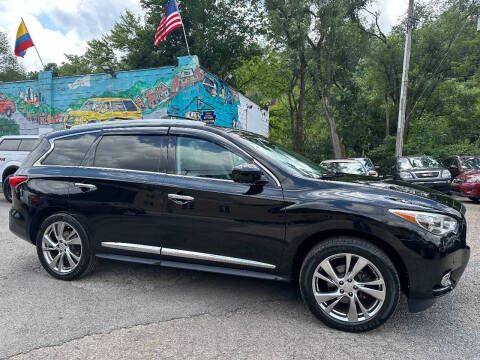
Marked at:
<point>7,190</point>
<point>475,200</point>
<point>64,249</point>
<point>349,284</point>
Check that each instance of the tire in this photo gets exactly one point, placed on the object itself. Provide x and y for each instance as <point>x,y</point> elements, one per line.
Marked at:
<point>334,311</point>
<point>7,190</point>
<point>475,200</point>
<point>80,246</point>
<point>8,112</point>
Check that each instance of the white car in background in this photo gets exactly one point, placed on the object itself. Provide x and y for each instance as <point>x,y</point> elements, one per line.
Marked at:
<point>347,166</point>
<point>13,150</point>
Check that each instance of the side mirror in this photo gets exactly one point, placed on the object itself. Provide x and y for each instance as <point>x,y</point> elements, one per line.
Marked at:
<point>453,167</point>
<point>372,173</point>
<point>246,174</point>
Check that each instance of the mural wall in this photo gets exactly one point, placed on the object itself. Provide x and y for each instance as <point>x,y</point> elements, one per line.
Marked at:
<point>33,107</point>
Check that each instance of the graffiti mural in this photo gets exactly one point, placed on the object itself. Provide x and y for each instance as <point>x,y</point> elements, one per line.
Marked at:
<point>184,91</point>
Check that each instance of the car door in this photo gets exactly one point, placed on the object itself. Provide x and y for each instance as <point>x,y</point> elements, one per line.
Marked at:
<point>210,217</point>
<point>119,191</point>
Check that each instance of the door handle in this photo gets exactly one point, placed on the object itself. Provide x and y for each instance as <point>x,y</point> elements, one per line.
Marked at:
<point>180,199</point>
<point>86,187</point>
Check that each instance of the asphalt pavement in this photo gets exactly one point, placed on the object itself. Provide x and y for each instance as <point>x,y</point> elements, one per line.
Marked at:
<point>131,311</point>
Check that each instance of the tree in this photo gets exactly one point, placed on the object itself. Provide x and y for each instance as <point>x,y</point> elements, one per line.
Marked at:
<point>10,69</point>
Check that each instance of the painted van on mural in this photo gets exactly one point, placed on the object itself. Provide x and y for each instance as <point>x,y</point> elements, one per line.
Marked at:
<point>103,109</point>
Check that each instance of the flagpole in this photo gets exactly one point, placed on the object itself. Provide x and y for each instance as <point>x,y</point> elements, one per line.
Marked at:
<point>183,27</point>
<point>35,46</point>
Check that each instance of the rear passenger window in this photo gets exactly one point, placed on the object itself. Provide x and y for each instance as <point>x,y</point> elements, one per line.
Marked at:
<point>70,151</point>
<point>129,152</point>
<point>9,145</point>
<point>28,144</point>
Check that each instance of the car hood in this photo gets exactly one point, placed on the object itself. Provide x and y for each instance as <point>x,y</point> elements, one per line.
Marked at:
<point>469,174</point>
<point>403,194</point>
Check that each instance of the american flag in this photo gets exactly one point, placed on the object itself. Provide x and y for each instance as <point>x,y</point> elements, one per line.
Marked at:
<point>171,20</point>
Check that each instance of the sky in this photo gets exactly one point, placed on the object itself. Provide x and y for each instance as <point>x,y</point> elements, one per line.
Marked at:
<point>60,27</point>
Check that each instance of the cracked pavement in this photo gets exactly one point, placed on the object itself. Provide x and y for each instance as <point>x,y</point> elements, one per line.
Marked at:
<point>132,311</point>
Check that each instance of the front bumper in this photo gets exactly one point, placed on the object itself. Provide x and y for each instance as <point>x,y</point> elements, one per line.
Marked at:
<point>467,189</point>
<point>426,286</point>
<point>440,185</point>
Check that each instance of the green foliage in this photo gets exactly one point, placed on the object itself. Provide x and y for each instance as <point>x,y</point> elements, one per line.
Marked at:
<point>8,127</point>
<point>10,69</point>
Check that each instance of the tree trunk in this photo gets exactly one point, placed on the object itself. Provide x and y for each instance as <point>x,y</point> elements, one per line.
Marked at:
<point>298,145</point>
<point>337,146</point>
<point>387,116</point>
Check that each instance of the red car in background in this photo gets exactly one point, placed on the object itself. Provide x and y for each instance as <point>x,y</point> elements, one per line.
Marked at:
<point>7,106</point>
<point>467,172</point>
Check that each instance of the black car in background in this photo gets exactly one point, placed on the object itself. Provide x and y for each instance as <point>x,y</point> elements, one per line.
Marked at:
<point>184,195</point>
<point>422,170</point>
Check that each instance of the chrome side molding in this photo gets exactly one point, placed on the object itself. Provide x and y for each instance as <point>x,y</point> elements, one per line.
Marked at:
<point>216,258</point>
<point>186,254</point>
<point>133,247</point>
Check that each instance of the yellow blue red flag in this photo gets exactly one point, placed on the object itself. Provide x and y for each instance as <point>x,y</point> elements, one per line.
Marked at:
<point>24,41</point>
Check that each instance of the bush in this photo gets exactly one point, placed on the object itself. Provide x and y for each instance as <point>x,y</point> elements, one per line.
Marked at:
<point>8,127</point>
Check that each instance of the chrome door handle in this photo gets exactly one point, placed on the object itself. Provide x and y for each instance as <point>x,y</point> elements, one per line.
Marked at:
<point>180,199</point>
<point>87,187</point>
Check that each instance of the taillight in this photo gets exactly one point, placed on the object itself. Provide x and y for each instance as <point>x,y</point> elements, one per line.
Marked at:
<point>17,180</point>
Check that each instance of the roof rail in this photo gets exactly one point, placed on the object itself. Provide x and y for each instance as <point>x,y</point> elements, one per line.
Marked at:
<point>140,122</point>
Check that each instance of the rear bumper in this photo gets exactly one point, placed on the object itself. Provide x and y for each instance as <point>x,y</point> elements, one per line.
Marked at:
<point>18,224</point>
<point>426,285</point>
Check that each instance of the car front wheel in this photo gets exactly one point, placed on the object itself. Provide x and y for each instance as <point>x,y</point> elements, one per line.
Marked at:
<point>349,284</point>
<point>64,249</point>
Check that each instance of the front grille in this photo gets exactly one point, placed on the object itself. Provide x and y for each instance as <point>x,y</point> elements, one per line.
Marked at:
<point>427,174</point>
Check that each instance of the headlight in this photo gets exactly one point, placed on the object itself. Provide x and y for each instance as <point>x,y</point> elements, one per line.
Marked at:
<point>405,175</point>
<point>437,224</point>
<point>475,179</point>
<point>446,174</point>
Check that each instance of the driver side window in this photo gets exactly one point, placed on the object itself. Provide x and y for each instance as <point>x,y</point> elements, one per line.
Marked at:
<point>202,158</point>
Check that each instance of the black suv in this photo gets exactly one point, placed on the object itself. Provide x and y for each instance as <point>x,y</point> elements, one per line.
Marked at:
<point>184,195</point>
<point>423,170</point>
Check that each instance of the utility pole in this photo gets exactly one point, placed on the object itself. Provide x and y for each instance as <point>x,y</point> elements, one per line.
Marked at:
<point>403,92</point>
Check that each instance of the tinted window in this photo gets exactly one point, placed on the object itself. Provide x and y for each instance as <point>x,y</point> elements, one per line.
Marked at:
<point>202,158</point>
<point>70,151</point>
<point>9,144</point>
<point>28,144</point>
<point>42,148</point>
<point>130,106</point>
<point>131,152</point>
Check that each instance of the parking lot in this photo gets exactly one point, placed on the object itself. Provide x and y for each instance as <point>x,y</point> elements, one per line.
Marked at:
<point>136,311</point>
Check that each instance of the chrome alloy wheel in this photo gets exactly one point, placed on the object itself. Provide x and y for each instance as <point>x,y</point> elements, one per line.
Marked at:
<point>61,247</point>
<point>348,287</point>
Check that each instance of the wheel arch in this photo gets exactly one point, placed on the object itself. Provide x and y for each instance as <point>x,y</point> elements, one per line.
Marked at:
<point>39,218</point>
<point>305,246</point>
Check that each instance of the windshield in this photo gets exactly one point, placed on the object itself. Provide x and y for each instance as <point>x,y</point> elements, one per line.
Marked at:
<point>355,168</point>
<point>471,163</point>
<point>367,163</point>
<point>282,157</point>
<point>421,162</point>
